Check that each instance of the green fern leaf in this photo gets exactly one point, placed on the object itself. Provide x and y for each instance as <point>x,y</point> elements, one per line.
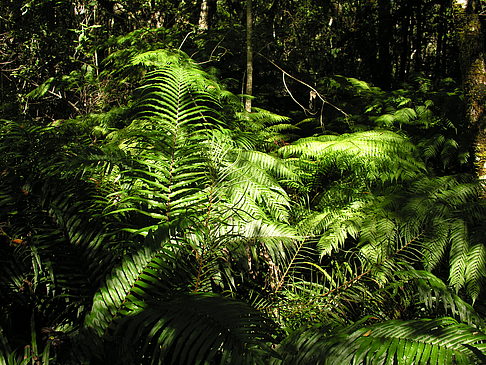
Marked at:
<point>475,270</point>
<point>118,289</point>
<point>197,329</point>
<point>438,341</point>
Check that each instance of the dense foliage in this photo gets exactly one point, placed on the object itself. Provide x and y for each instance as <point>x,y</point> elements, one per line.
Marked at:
<point>146,217</point>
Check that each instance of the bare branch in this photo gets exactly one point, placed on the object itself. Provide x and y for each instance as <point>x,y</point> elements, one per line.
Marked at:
<point>307,85</point>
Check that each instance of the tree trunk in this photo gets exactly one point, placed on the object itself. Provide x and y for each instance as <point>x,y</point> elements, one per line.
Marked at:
<point>474,77</point>
<point>385,34</point>
<point>441,34</point>
<point>206,14</point>
<point>419,37</point>
<point>405,41</point>
<point>249,56</point>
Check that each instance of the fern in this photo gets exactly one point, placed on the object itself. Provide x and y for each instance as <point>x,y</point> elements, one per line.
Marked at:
<point>436,296</point>
<point>475,272</point>
<point>440,341</point>
<point>373,155</point>
<point>118,229</point>
<point>197,329</point>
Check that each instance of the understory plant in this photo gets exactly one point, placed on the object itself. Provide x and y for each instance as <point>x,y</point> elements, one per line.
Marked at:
<point>175,229</point>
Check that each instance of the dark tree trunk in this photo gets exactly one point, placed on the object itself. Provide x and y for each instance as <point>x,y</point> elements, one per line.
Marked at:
<point>419,37</point>
<point>249,55</point>
<point>441,34</point>
<point>404,50</point>
<point>474,77</point>
<point>385,32</point>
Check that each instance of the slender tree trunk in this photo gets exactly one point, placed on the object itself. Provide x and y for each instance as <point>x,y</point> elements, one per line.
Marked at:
<point>249,56</point>
<point>441,33</point>
<point>474,76</point>
<point>405,41</point>
<point>206,14</point>
<point>385,33</point>
<point>419,37</point>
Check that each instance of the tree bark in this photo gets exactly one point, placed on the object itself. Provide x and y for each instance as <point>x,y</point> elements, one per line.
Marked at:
<point>206,14</point>
<point>249,56</point>
<point>405,25</point>
<point>474,77</point>
<point>441,34</point>
<point>419,36</point>
<point>385,34</point>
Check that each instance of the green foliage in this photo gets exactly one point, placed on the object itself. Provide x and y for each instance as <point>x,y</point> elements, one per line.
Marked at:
<point>439,341</point>
<point>179,229</point>
<point>196,329</point>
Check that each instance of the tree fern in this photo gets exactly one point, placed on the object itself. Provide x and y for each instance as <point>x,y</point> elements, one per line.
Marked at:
<point>436,297</point>
<point>124,234</point>
<point>376,216</point>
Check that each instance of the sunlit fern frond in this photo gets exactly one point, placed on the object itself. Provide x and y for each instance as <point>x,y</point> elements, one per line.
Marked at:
<point>475,273</point>
<point>177,127</point>
<point>264,129</point>
<point>375,155</point>
<point>278,239</point>
<point>168,175</point>
<point>444,211</point>
<point>449,210</point>
<point>255,182</point>
<point>438,341</point>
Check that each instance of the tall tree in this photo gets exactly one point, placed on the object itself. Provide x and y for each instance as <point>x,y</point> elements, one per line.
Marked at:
<point>249,55</point>
<point>385,32</point>
<point>473,68</point>
<point>208,8</point>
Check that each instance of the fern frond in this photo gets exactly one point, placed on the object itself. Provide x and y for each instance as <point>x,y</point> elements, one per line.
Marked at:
<point>435,294</point>
<point>128,283</point>
<point>458,254</point>
<point>475,274</point>
<point>253,186</point>
<point>439,341</point>
<point>379,155</point>
<point>197,329</point>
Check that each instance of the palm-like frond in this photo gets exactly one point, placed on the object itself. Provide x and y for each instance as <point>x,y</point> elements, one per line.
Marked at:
<point>440,341</point>
<point>119,228</point>
<point>376,217</point>
<point>475,270</point>
<point>196,329</point>
<point>435,296</point>
<point>53,238</point>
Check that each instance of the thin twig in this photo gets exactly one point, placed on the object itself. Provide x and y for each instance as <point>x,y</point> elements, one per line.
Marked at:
<point>306,84</point>
<point>184,40</point>
<point>212,53</point>
<point>294,99</point>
